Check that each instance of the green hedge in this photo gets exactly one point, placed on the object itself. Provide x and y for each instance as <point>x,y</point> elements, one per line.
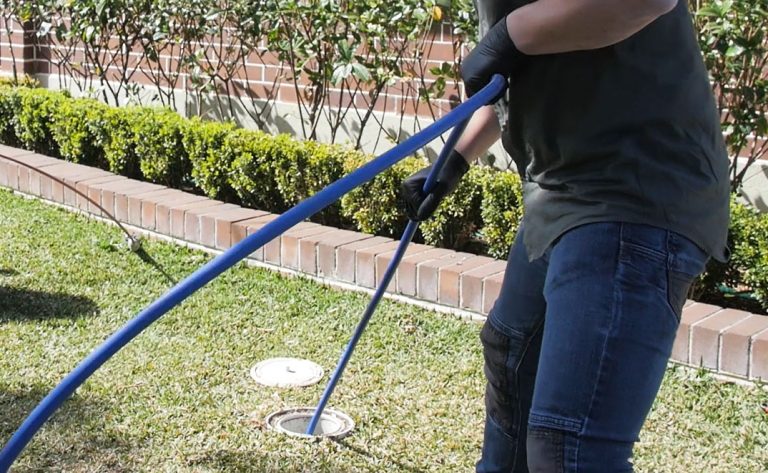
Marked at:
<point>375,207</point>
<point>119,139</point>
<point>34,117</point>
<point>274,173</point>
<point>78,128</point>
<point>742,282</point>
<point>10,103</point>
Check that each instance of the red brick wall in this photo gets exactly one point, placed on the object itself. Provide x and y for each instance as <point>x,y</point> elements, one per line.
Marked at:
<point>21,50</point>
<point>17,48</point>
<point>256,76</point>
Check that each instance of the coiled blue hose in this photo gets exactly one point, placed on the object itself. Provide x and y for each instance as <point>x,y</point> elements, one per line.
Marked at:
<point>221,263</point>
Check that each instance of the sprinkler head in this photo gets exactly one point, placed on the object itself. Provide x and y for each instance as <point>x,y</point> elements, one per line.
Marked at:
<point>133,242</point>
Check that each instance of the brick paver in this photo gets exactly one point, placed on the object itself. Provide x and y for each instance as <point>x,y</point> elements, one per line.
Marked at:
<point>691,314</point>
<point>736,342</point>
<point>705,336</point>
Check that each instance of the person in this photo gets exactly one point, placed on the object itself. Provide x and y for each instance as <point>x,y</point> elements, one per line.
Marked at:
<point>611,122</point>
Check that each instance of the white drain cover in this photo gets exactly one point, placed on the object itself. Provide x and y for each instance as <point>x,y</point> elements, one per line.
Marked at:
<point>287,372</point>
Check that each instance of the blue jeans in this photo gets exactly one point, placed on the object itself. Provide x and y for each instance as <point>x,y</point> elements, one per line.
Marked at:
<point>576,347</point>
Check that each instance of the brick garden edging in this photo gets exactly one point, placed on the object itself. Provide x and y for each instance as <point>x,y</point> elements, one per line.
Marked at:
<point>726,341</point>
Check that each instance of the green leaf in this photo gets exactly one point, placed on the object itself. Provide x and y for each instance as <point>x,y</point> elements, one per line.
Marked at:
<point>340,73</point>
<point>734,51</point>
<point>361,72</point>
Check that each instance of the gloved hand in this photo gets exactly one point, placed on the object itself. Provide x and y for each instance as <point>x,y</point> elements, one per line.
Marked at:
<point>496,53</point>
<point>420,206</point>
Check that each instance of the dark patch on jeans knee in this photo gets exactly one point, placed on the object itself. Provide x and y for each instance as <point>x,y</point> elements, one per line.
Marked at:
<point>500,402</point>
<point>545,450</point>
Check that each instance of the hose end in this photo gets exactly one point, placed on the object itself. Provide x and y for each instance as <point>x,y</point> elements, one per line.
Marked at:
<point>133,242</point>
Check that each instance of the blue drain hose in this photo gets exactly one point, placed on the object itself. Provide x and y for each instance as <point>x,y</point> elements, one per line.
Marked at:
<point>229,258</point>
<point>405,240</point>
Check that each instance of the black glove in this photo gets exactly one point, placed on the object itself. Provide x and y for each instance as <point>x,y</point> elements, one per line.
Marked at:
<point>420,206</point>
<point>494,54</point>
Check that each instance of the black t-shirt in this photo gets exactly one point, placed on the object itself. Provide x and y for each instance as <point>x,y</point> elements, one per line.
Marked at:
<point>625,133</point>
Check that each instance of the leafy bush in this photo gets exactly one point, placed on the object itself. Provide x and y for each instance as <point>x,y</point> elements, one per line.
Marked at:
<point>203,142</point>
<point>158,135</point>
<point>376,207</point>
<point>34,118</point>
<point>252,178</point>
<point>302,168</point>
<point>279,172</point>
<point>77,127</point>
<point>734,39</point>
<point>502,211</point>
<point>120,141</point>
<point>743,280</point>
<point>10,103</point>
<point>457,219</point>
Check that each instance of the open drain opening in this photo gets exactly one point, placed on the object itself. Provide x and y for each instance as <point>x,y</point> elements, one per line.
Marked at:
<point>294,422</point>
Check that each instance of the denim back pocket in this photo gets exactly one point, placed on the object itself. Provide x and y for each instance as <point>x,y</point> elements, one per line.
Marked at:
<point>687,262</point>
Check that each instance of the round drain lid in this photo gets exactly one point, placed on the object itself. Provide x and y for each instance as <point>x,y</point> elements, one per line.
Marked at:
<point>287,372</point>
<point>295,421</point>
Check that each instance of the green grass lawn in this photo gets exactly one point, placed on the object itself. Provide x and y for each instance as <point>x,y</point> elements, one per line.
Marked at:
<point>179,397</point>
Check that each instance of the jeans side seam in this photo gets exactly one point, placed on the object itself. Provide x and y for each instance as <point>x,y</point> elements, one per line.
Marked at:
<point>616,306</point>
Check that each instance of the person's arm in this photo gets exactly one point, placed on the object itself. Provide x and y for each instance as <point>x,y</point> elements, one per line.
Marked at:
<point>482,131</point>
<point>541,27</point>
<point>557,26</point>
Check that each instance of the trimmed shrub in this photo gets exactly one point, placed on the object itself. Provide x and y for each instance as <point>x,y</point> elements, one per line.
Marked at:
<point>502,210</point>
<point>252,177</point>
<point>742,281</point>
<point>376,207</point>
<point>456,222</point>
<point>302,168</point>
<point>158,135</point>
<point>120,141</point>
<point>78,128</point>
<point>203,142</point>
<point>10,103</point>
<point>34,118</point>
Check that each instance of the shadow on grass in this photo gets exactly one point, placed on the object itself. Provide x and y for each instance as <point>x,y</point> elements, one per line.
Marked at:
<point>8,272</point>
<point>255,460</point>
<point>145,257</point>
<point>66,442</point>
<point>226,461</point>
<point>360,450</point>
<point>23,304</point>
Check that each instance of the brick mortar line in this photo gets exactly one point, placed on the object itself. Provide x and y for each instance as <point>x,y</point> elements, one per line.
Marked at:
<point>720,346</point>
<point>325,108</point>
<point>750,341</point>
<point>690,335</point>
